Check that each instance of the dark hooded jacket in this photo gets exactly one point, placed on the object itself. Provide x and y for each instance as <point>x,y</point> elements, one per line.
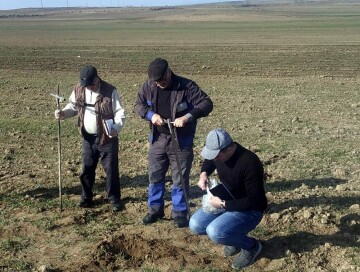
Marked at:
<point>186,97</point>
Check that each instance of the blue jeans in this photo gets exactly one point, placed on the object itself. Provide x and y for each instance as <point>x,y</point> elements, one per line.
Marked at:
<point>229,228</point>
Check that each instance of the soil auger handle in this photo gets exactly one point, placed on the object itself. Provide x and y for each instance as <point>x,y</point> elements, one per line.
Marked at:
<point>58,100</point>
<point>176,147</point>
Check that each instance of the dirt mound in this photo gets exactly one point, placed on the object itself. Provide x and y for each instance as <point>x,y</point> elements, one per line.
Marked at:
<point>130,251</point>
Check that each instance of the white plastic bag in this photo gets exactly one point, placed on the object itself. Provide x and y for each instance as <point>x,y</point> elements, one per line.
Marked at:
<point>207,207</point>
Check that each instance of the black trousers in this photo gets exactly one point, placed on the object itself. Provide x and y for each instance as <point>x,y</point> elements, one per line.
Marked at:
<point>108,154</point>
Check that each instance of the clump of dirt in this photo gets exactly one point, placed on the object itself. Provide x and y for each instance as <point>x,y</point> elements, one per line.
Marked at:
<point>131,251</point>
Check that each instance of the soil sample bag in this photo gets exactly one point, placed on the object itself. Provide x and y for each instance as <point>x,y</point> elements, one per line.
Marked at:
<point>207,207</point>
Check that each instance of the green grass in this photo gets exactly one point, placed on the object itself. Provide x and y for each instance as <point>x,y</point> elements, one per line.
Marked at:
<point>13,246</point>
<point>204,270</point>
<point>17,265</point>
<point>355,257</point>
<point>149,269</point>
<point>45,223</point>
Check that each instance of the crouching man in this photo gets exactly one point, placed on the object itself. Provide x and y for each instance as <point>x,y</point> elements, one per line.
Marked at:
<point>241,173</point>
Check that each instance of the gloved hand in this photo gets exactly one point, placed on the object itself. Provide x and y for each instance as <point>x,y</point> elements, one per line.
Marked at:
<point>59,114</point>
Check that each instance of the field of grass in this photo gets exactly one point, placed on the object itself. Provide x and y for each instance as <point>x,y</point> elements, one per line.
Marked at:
<point>285,83</point>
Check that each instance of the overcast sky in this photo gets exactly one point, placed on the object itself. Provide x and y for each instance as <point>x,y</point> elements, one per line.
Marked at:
<point>15,4</point>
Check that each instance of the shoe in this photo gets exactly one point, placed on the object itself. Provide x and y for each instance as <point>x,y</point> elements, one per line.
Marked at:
<point>181,222</point>
<point>231,251</point>
<point>152,218</point>
<point>247,257</point>
<point>86,203</point>
<point>116,205</point>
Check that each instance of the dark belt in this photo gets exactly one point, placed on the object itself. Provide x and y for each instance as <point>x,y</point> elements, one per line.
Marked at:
<point>90,137</point>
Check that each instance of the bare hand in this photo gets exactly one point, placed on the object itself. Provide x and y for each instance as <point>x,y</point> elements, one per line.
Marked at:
<point>157,120</point>
<point>113,133</point>
<point>180,122</point>
<point>59,114</point>
<point>203,181</point>
<point>215,202</point>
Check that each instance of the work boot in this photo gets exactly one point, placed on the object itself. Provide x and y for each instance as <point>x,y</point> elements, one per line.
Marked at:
<point>247,257</point>
<point>86,203</point>
<point>181,222</point>
<point>231,251</point>
<point>116,205</point>
<point>152,218</point>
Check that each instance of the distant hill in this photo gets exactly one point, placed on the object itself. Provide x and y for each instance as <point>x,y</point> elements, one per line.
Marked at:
<point>72,11</point>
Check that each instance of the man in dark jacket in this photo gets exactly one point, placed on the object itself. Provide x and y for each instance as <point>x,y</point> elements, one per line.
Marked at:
<point>242,178</point>
<point>166,96</point>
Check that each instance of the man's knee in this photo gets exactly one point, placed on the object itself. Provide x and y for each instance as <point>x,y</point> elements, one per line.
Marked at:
<point>215,234</point>
<point>195,227</point>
